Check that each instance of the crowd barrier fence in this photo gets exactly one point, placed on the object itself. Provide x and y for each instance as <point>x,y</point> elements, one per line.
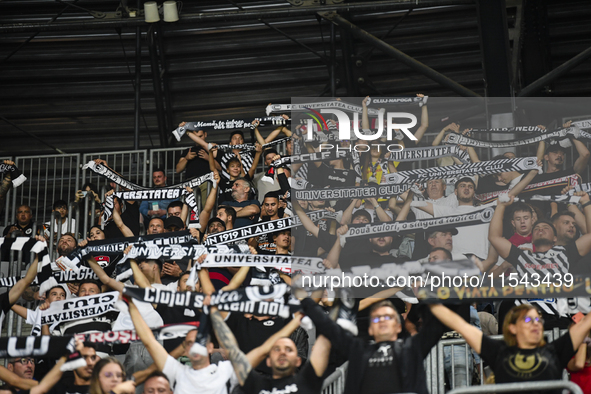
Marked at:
<point>520,387</point>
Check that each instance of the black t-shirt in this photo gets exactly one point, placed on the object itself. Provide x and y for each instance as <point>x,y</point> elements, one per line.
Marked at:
<point>382,374</point>
<point>130,217</point>
<point>68,388</point>
<point>197,166</point>
<point>27,230</point>
<point>332,177</point>
<point>511,364</point>
<point>225,191</point>
<point>253,333</point>
<point>4,307</point>
<point>304,382</point>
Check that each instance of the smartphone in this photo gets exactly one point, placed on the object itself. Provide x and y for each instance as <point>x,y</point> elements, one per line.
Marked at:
<point>84,193</point>
<point>155,206</point>
<point>578,317</point>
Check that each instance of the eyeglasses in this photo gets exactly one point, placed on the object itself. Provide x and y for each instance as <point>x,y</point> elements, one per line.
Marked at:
<point>378,319</point>
<point>109,375</point>
<point>25,360</point>
<point>531,320</point>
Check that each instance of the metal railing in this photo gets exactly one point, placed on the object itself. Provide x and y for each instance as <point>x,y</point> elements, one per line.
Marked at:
<point>514,387</point>
<point>335,383</point>
<point>49,178</point>
<point>167,159</point>
<point>439,369</point>
<point>131,164</point>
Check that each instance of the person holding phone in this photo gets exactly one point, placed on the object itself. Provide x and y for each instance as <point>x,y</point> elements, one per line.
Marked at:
<point>194,161</point>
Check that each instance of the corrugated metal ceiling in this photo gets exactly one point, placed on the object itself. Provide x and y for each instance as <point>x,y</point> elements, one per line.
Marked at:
<point>74,88</point>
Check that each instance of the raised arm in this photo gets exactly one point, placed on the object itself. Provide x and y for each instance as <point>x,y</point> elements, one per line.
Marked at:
<point>120,225</point>
<point>403,214</point>
<point>471,334</point>
<point>424,122</point>
<point>320,354</point>
<point>583,159</point>
<point>258,354</point>
<point>364,116</point>
<point>102,275</point>
<point>257,133</point>
<point>523,183</point>
<point>16,381</point>
<point>255,162</point>
<point>495,230</point>
<point>306,221</point>
<point>20,286</point>
<point>156,350</point>
<point>198,140</point>
<point>584,242</point>
<point>50,379</point>
<point>240,362</point>
<point>209,202</point>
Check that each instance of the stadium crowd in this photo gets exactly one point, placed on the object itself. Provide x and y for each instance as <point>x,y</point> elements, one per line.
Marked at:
<point>384,337</point>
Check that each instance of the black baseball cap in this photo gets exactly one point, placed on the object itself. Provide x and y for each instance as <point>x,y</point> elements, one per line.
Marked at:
<point>174,221</point>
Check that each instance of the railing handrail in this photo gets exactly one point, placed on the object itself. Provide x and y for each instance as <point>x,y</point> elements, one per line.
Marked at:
<point>338,373</point>
<point>521,386</point>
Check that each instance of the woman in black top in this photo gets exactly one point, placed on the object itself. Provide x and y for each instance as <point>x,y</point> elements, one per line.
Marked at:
<point>523,355</point>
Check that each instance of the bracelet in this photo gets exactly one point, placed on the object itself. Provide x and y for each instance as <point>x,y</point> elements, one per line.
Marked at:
<point>586,204</point>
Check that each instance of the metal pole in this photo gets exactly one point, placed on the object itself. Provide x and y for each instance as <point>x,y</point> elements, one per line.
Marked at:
<point>157,88</point>
<point>554,74</point>
<point>333,51</point>
<point>168,121</point>
<point>226,16</point>
<point>398,55</point>
<point>138,82</point>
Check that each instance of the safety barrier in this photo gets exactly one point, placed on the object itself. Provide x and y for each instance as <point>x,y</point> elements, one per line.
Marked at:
<point>521,387</point>
<point>335,383</point>
<point>439,387</point>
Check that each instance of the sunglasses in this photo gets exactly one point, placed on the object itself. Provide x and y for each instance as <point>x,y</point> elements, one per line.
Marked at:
<point>110,375</point>
<point>378,319</point>
<point>25,360</point>
<point>531,320</point>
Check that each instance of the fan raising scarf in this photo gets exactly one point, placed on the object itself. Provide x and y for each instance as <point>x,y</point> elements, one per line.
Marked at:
<point>79,308</point>
<point>482,168</point>
<point>140,193</point>
<point>321,105</point>
<point>228,125</point>
<point>458,139</point>
<point>247,147</point>
<point>16,176</point>
<point>251,299</point>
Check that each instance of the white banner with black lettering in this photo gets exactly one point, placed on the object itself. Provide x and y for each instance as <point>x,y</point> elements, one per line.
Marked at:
<point>397,101</point>
<point>348,193</point>
<point>483,215</point>
<point>78,308</point>
<point>285,263</point>
<point>482,168</point>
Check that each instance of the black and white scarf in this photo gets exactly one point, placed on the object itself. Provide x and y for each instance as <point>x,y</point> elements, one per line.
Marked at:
<point>585,187</point>
<point>78,308</point>
<point>282,108</point>
<point>227,148</point>
<point>113,176</point>
<point>35,346</point>
<point>428,153</point>
<point>385,101</point>
<point>482,168</point>
<point>515,129</point>
<point>253,299</point>
<point>16,176</point>
<point>231,124</point>
<point>282,262</point>
<point>563,198</point>
<point>250,231</point>
<point>140,193</point>
<point>123,337</point>
<point>483,215</point>
<point>458,139</point>
<point>348,193</point>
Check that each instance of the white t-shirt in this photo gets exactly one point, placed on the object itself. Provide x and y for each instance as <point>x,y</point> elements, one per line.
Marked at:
<point>209,380</point>
<point>470,239</point>
<point>64,227</point>
<point>448,201</point>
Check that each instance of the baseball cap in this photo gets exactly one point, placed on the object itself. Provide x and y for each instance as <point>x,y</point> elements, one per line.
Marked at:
<point>173,221</point>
